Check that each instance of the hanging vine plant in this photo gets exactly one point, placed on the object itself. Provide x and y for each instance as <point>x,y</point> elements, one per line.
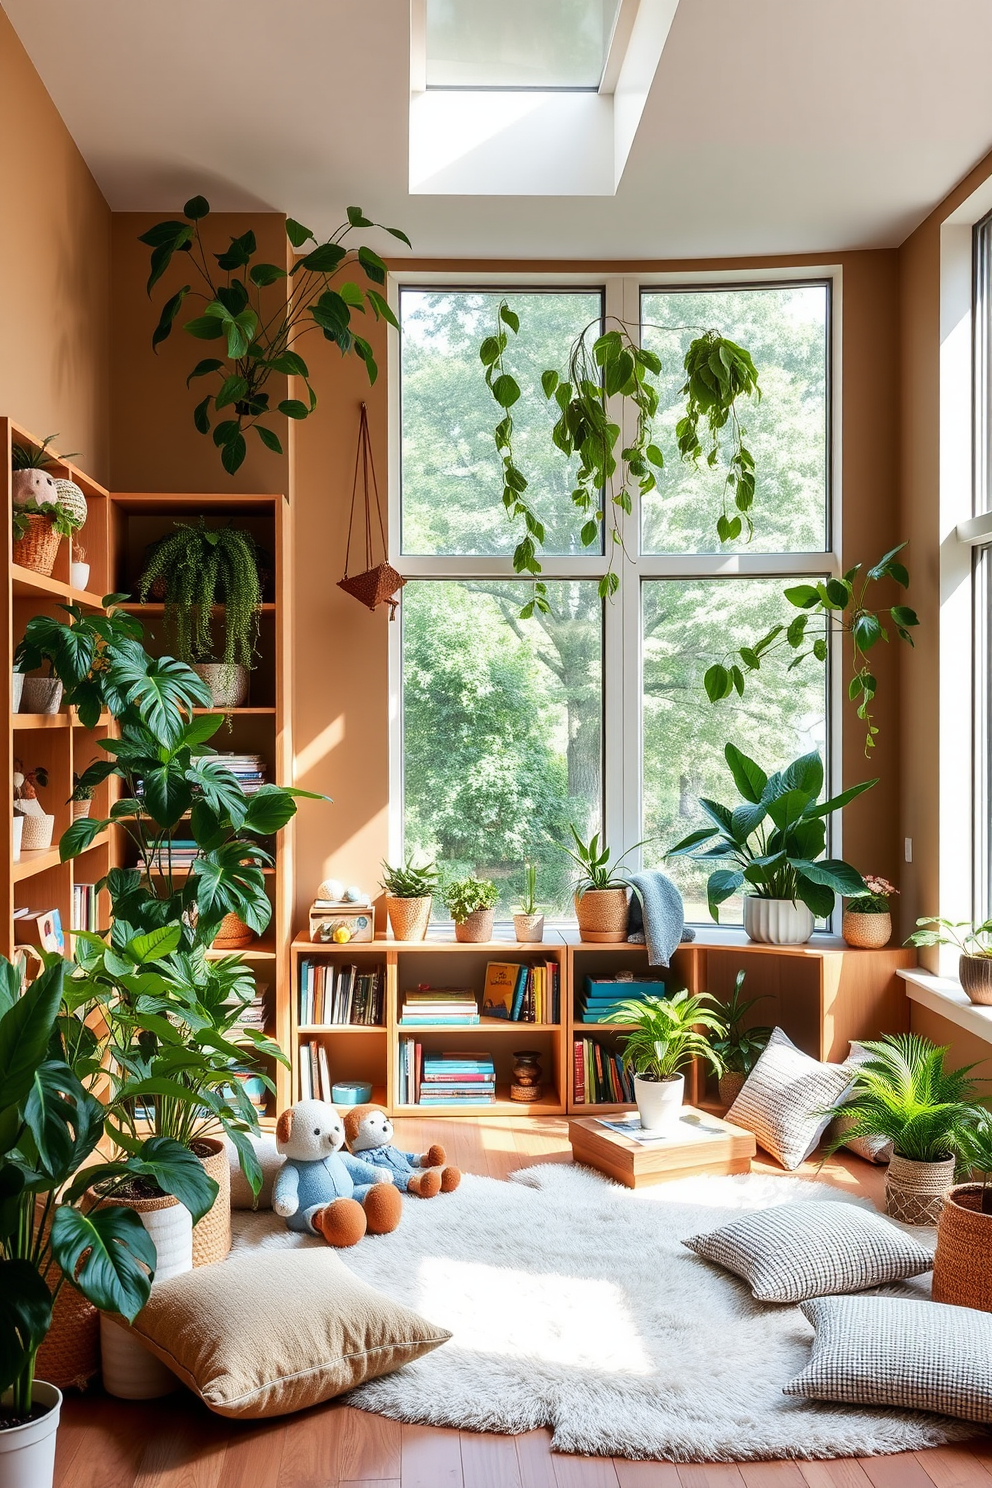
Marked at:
<point>611,365</point>
<point>195,568</point>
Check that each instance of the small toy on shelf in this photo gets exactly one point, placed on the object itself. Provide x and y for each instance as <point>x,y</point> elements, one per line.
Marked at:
<point>321,1190</point>
<point>341,915</point>
<point>369,1131</point>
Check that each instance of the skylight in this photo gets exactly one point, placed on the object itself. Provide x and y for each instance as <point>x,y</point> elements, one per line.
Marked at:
<point>518,45</point>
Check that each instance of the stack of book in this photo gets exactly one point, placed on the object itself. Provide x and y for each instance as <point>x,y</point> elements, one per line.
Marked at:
<point>84,907</point>
<point>430,1079</point>
<point>41,928</point>
<point>252,1015</point>
<point>438,1009</point>
<point>599,1077</point>
<point>522,994</point>
<point>601,997</point>
<point>341,994</point>
<point>247,769</point>
<point>182,852</point>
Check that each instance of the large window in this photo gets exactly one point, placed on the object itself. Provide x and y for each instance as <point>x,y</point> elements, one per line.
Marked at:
<point>594,714</point>
<point>979,534</point>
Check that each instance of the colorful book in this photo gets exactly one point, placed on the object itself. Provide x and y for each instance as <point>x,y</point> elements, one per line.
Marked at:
<point>499,989</point>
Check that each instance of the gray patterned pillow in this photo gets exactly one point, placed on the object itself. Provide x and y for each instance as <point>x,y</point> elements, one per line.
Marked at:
<point>872,1149</point>
<point>889,1351</point>
<point>813,1249</point>
<point>783,1099</point>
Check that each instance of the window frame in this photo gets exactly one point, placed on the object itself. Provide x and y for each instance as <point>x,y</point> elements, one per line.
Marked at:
<point>622,683</point>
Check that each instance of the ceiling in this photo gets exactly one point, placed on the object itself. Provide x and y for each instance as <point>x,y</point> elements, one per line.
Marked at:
<point>773,126</point>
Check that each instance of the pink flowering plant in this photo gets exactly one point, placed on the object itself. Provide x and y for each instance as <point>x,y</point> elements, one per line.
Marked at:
<point>876,901</point>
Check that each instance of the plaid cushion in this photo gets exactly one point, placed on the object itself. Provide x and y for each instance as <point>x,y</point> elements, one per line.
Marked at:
<point>783,1099</point>
<point>887,1351</point>
<point>814,1249</point>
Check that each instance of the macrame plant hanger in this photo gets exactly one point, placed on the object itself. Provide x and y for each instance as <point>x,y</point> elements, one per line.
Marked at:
<point>379,582</point>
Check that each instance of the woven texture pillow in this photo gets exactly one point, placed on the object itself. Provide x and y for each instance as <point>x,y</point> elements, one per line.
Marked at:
<point>795,1251</point>
<point>872,1149</point>
<point>275,1331</point>
<point>783,1098</point>
<point>887,1351</point>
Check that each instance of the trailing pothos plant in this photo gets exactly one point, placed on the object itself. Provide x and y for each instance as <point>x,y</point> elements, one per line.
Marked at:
<point>603,365</point>
<point>261,339</point>
<point>839,606</point>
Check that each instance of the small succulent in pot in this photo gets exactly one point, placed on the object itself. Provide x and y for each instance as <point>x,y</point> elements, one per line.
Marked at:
<point>666,1034</point>
<point>528,922</point>
<point>471,902</point>
<point>409,891</point>
<point>82,797</point>
<point>601,905</point>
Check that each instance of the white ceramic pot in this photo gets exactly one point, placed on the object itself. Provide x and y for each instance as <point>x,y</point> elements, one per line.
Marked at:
<point>228,684</point>
<point>659,1103</point>
<point>529,929</point>
<point>16,690</point>
<point>16,837</point>
<point>777,921</point>
<point>41,695</point>
<point>27,1453</point>
<point>130,1372</point>
<point>33,485</point>
<point>79,575</point>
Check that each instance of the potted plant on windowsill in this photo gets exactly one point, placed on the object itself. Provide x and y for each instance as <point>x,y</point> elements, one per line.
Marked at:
<point>903,1092</point>
<point>867,922</point>
<point>602,902</point>
<point>739,1048</point>
<point>409,892</point>
<point>774,842</point>
<point>528,922</point>
<point>962,1267</point>
<point>471,902</point>
<point>664,1035</point>
<point>974,942</point>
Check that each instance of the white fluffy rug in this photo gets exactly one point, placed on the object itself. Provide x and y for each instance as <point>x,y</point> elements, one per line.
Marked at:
<point>574,1306</point>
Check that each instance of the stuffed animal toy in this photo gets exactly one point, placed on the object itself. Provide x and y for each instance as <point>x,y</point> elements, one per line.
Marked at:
<point>321,1190</point>
<point>369,1131</point>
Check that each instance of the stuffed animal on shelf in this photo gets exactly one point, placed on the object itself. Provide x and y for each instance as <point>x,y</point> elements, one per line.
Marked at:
<point>369,1131</point>
<point>321,1190</point>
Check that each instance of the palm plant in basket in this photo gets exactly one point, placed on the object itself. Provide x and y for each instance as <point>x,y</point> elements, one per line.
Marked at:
<point>409,891</point>
<point>962,1268</point>
<point>902,1092</point>
<point>663,1035</point>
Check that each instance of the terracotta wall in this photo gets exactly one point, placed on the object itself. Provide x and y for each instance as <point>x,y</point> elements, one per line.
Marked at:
<point>54,271</point>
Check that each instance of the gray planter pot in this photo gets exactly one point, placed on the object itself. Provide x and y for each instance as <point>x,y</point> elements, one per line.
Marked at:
<point>41,695</point>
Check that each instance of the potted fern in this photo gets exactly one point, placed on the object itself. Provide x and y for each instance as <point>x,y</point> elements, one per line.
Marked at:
<point>409,892</point>
<point>601,894</point>
<point>528,922</point>
<point>903,1092</point>
<point>471,902</point>
<point>962,1267</point>
<point>664,1034</point>
<point>196,569</point>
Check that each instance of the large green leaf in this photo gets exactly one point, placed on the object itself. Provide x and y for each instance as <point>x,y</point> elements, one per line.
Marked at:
<point>749,778</point>
<point>109,1253</point>
<point>834,873</point>
<point>225,885</point>
<point>817,897</point>
<point>693,840</point>
<point>10,985</point>
<point>78,835</point>
<point>177,1171</point>
<point>25,1032</point>
<point>156,944</point>
<point>25,1317</point>
<point>159,691</point>
<point>220,788</point>
<point>722,884</point>
<point>788,808</point>
<point>805,774</point>
<point>269,809</point>
<point>167,793</point>
<point>825,808</point>
<point>65,1122</point>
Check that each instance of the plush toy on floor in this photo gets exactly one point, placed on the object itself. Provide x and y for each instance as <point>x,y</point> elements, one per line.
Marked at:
<point>369,1132</point>
<point>321,1190</point>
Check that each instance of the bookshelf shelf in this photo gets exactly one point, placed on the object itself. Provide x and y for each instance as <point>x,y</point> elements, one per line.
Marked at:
<point>34,861</point>
<point>520,1030</point>
<point>41,721</point>
<point>306,1029</point>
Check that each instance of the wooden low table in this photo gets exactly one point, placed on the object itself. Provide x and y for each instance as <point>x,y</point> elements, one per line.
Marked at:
<point>703,1143</point>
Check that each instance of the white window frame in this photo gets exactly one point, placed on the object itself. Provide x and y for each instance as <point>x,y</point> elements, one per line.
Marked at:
<point>622,684</point>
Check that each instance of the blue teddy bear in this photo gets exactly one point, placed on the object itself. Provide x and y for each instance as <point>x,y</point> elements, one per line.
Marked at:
<point>369,1132</point>
<point>321,1190</point>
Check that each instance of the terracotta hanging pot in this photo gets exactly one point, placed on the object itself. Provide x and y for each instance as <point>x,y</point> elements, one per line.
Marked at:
<point>378,582</point>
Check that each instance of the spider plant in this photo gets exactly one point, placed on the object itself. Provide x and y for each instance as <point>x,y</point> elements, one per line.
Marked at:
<point>665,1034</point>
<point>598,872</point>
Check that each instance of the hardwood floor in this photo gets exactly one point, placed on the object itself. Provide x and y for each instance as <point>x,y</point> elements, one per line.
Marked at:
<point>177,1443</point>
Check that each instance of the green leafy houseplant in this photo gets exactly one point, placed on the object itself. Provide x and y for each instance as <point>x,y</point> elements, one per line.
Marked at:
<point>876,901</point>
<point>842,607</point>
<point>409,881</point>
<point>611,365</point>
<point>740,1048</point>
<point>975,1146</point>
<point>261,334</point>
<point>775,838</point>
<point>64,522</point>
<point>201,567</point>
<point>50,1235</point>
<point>465,896</point>
<point>664,1034</point>
<point>596,870</point>
<point>968,938</point>
<point>528,903</point>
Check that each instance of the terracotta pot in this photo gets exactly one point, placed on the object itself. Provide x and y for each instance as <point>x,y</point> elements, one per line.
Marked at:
<point>477,928</point>
<point>915,1191</point>
<point>777,921</point>
<point>232,934</point>
<point>602,915</point>
<point>38,548</point>
<point>212,1235</point>
<point>41,695</point>
<point>962,1267</point>
<point>975,976</point>
<point>409,918</point>
<point>868,932</point>
<point>27,1452</point>
<point>731,1085</point>
<point>228,684</point>
<point>529,929</point>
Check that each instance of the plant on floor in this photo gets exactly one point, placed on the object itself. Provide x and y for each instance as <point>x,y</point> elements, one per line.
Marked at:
<point>903,1092</point>
<point>261,334</point>
<point>593,860</point>
<point>664,1034</point>
<point>876,901</point>
<point>199,567</point>
<point>740,1048</point>
<point>610,364</point>
<point>466,896</point>
<point>970,939</point>
<point>409,881</point>
<point>50,1126</point>
<point>775,839</point>
<point>842,605</point>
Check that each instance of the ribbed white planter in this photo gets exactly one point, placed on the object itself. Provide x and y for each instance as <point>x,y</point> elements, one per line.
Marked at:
<point>27,1453</point>
<point>777,921</point>
<point>529,929</point>
<point>130,1372</point>
<point>659,1103</point>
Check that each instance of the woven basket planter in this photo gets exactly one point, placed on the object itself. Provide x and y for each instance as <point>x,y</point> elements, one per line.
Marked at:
<point>731,1085</point>
<point>69,1357</point>
<point>38,548</point>
<point>867,932</point>
<point>477,928</point>
<point>36,833</point>
<point>602,915</point>
<point>232,934</point>
<point>409,918</point>
<point>529,929</point>
<point>975,976</point>
<point>915,1191</point>
<point>212,1236</point>
<point>962,1267</point>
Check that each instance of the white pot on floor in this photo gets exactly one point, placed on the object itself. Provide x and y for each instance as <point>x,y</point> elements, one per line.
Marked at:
<point>130,1372</point>
<point>777,921</point>
<point>659,1103</point>
<point>27,1453</point>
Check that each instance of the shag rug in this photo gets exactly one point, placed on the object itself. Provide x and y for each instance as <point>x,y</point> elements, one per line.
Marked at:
<point>574,1306</point>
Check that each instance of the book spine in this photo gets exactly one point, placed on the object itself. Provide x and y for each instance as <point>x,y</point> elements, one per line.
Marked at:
<point>578,1074</point>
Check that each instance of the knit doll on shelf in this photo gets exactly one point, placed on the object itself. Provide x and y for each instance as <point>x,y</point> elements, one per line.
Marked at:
<point>369,1134</point>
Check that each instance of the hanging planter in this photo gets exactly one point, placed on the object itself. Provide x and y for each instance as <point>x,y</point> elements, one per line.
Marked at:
<point>379,582</point>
